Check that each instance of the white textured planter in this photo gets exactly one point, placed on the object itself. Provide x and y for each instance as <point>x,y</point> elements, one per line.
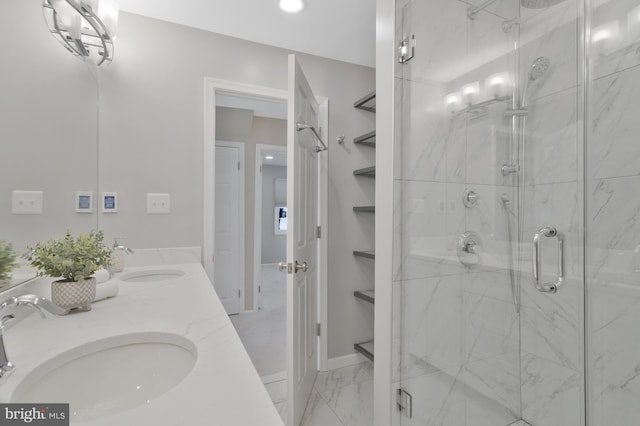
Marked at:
<point>74,294</point>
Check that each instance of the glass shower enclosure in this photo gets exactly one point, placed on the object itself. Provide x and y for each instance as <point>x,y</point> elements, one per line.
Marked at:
<point>518,272</point>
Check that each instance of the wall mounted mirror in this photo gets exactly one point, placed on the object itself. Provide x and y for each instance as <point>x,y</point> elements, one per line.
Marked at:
<point>48,132</point>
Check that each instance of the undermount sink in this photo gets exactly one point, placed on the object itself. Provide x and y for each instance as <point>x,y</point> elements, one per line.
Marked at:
<point>111,375</point>
<point>152,275</point>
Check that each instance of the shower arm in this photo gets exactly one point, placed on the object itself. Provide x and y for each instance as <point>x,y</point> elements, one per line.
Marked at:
<point>301,126</point>
<point>472,11</point>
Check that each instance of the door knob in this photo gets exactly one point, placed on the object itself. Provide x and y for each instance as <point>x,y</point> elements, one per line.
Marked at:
<point>301,266</point>
<point>282,266</point>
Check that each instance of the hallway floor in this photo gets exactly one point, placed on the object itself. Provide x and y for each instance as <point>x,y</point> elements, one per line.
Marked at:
<point>341,397</point>
<point>263,332</point>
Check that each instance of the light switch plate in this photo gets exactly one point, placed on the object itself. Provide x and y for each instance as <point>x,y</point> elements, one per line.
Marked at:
<point>26,202</point>
<point>84,202</point>
<point>109,202</point>
<point>158,203</point>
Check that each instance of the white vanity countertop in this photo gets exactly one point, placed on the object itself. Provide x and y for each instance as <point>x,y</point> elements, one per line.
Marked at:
<point>222,389</point>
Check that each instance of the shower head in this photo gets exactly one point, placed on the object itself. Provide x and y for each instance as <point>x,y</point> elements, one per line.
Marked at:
<point>539,4</point>
<point>539,68</point>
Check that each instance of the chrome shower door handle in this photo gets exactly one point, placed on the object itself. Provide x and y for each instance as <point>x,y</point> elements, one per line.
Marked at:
<point>549,232</point>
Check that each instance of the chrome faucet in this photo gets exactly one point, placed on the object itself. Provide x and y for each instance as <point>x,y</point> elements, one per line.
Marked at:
<point>125,249</point>
<point>40,304</point>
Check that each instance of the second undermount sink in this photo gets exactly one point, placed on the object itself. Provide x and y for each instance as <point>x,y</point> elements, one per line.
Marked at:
<point>152,275</point>
<point>111,375</point>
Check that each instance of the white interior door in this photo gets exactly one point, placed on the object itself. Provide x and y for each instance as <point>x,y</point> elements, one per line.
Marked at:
<point>228,255</point>
<point>302,244</point>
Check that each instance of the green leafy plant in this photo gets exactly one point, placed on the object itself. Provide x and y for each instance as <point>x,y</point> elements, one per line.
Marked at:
<point>7,260</point>
<point>74,259</point>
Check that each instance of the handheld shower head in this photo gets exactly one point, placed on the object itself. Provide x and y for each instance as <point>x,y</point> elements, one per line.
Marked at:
<point>539,4</point>
<point>539,68</point>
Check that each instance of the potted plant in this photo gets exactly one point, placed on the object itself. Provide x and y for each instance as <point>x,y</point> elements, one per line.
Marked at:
<point>7,262</point>
<point>75,260</point>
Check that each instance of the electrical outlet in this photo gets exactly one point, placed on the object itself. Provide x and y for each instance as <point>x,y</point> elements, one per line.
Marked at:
<point>26,202</point>
<point>158,203</point>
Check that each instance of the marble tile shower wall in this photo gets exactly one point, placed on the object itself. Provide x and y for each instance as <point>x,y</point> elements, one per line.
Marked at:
<point>459,334</point>
<point>613,213</point>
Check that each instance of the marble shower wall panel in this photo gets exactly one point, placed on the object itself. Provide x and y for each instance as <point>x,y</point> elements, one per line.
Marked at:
<point>552,33</point>
<point>439,399</point>
<point>614,217</point>
<point>617,26</point>
<point>490,220</point>
<point>551,393</point>
<point>488,142</point>
<point>490,329</point>
<point>551,138</point>
<point>614,299</point>
<point>615,151</point>
<point>432,221</point>
<point>441,37</point>
<point>493,390</point>
<point>432,322</point>
<point>430,134</point>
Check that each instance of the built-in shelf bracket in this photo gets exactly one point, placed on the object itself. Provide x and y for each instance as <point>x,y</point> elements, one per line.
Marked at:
<point>366,349</point>
<point>365,254</point>
<point>366,295</point>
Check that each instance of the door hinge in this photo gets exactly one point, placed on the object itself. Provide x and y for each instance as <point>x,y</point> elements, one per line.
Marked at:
<point>318,329</point>
<point>319,232</point>
<point>238,165</point>
<point>403,402</point>
<point>259,289</point>
<point>238,292</point>
<point>260,169</point>
<point>407,49</point>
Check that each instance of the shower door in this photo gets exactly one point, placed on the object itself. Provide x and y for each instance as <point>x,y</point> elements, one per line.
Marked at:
<point>489,126</point>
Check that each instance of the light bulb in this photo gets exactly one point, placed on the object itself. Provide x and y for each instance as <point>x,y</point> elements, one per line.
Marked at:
<point>291,6</point>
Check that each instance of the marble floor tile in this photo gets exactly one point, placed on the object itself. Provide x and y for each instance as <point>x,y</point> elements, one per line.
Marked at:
<point>329,380</point>
<point>318,413</point>
<point>353,404</point>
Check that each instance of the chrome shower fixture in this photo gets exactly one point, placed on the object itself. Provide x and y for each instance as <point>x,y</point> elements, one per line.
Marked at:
<point>539,4</point>
<point>539,67</point>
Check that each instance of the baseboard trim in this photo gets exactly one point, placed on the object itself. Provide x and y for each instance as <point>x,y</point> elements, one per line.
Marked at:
<point>345,361</point>
<point>277,377</point>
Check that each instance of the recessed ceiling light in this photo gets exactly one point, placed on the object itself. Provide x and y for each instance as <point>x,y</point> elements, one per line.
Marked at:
<point>269,157</point>
<point>291,6</point>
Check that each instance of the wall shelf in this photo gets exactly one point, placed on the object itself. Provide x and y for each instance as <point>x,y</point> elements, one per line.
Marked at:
<point>368,139</point>
<point>364,209</point>
<point>367,171</point>
<point>366,349</point>
<point>366,295</point>
<point>367,102</point>
<point>365,254</point>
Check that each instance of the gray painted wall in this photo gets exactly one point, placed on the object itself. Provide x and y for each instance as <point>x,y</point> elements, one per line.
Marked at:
<point>48,128</point>
<point>274,247</point>
<point>151,138</point>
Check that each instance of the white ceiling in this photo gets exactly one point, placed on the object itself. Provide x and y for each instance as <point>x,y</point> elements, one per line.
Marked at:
<point>337,29</point>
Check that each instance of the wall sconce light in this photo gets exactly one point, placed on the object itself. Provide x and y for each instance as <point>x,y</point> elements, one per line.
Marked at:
<point>470,92</point>
<point>291,6</point>
<point>453,102</point>
<point>498,85</point>
<point>85,28</point>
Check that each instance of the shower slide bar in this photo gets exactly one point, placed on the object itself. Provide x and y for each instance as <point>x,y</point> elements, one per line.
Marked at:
<point>301,126</point>
<point>473,11</point>
<point>550,232</point>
